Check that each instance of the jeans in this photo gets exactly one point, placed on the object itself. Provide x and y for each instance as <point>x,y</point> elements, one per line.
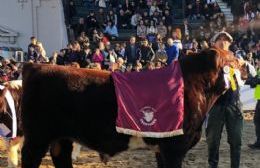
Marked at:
<point>231,117</point>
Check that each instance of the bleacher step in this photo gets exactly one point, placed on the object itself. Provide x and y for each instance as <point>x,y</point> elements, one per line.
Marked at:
<point>226,10</point>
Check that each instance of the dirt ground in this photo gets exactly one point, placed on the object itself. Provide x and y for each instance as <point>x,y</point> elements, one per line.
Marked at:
<point>196,158</point>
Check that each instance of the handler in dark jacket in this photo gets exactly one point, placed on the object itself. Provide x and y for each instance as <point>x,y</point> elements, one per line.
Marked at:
<point>226,111</point>
<point>146,53</point>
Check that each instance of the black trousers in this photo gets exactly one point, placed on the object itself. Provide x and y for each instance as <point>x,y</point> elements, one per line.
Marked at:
<point>231,117</point>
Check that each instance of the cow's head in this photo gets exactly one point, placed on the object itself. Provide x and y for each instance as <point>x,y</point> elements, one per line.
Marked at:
<point>230,60</point>
<point>204,71</point>
<point>204,82</point>
<point>15,89</point>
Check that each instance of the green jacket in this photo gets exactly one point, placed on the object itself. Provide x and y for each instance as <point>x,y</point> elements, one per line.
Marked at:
<point>257,88</point>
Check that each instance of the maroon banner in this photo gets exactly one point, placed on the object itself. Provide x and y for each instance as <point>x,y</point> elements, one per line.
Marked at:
<point>150,103</point>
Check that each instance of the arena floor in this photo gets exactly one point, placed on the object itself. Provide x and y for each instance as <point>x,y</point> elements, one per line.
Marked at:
<point>196,158</point>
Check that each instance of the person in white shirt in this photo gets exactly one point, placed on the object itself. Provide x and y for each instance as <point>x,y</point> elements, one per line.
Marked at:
<point>134,20</point>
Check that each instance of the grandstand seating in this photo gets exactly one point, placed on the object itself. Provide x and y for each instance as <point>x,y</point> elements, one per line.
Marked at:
<point>177,11</point>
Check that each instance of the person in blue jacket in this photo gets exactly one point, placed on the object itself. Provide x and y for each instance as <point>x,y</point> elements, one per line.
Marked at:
<point>172,51</point>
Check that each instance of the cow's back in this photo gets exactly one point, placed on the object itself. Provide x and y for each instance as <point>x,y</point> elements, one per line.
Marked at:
<point>67,102</point>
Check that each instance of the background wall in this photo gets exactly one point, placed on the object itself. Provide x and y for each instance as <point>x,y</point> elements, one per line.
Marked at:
<point>41,18</point>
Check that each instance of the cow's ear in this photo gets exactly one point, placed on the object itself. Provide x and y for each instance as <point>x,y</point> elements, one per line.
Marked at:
<point>217,60</point>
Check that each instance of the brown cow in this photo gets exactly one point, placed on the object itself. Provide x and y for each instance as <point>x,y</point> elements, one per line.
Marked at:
<point>64,103</point>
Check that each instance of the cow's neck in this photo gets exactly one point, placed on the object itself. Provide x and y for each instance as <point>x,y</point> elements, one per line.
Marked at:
<point>197,109</point>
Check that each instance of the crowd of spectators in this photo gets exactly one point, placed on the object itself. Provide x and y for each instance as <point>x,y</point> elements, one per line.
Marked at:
<point>243,29</point>
<point>155,45</point>
<point>148,17</point>
<point>201,9</point>
<point>8,70</point>
<point>126,56</point>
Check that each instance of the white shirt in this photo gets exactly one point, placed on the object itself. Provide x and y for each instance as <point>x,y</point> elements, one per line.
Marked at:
<point>134,20</point>
<point>210,1</point>
<point>102,4</point>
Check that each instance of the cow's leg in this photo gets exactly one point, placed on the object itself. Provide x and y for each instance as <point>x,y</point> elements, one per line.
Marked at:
<point>13,147</point>
<point>159,160</point>
<point>76,151</point>
<point>61,153</point>
<point>33,152</point>
<point>171,158</point>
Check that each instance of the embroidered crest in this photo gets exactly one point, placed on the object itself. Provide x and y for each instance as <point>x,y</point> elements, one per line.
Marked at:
<point>148,116</point>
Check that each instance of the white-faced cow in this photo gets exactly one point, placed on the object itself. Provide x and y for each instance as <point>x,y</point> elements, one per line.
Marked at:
<point>13,144</point>
<point>64,103</point>
<point>11,90</point>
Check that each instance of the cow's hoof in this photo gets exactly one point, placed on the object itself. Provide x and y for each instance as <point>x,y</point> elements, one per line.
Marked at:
<point>104,158</point>
<point>76,151</point>
<point>12,166</point>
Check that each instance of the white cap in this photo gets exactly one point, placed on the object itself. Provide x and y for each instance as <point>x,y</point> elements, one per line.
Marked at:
<point>217,35</point>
